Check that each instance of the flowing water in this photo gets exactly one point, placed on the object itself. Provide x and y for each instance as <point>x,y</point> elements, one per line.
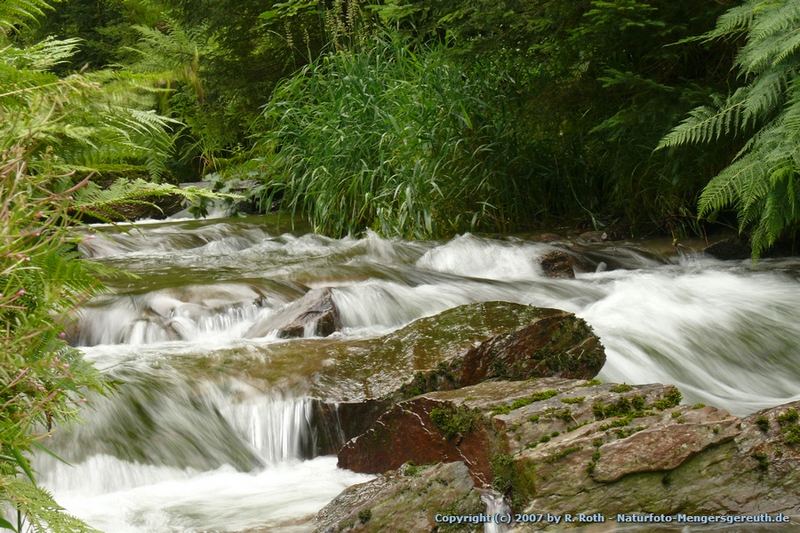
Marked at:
<point>195,441</point>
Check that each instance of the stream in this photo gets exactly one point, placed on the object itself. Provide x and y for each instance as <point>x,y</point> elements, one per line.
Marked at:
<point>195,440</point>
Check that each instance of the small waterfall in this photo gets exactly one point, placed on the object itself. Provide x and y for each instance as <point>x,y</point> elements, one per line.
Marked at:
<point>495,505</point>
<point>191,313</point>
<point>277,426</point>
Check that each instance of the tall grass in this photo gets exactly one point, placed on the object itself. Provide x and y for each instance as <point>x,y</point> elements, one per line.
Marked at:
<point>387,138</point>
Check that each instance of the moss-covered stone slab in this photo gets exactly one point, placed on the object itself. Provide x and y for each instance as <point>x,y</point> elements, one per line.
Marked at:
<point>665,446</point>
<point>404,501</point>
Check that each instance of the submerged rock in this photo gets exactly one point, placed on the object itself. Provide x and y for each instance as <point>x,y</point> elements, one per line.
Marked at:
<point>557,264</point>
<point>730,248</point>
<point>406,500</point>
<point>313,314</point>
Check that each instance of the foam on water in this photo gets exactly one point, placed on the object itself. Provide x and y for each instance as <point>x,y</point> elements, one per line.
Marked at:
<point>472,256</point>
<point>162,499</point>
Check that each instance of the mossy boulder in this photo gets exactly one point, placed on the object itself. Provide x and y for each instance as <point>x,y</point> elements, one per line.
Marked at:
<point>422,356</point>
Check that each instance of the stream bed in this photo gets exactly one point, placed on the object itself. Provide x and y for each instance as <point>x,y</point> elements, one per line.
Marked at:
<point>211,431</point>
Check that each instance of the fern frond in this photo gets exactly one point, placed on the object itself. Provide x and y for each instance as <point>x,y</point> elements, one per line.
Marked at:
<point>764,96</point>
<point>40,56</point>
<point>724,189</point>
<point>21,13</point>
<point>41,511</point>
<point>706,123</point>
<point>734,22</point>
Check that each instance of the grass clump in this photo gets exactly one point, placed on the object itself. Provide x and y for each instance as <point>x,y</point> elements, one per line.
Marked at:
<point>622,387</point>
<point>503,472</point>
<point>454,421</point>
<point>762,460</point>
<point>522,402</point>
<point>788,417</point>
<point>790,428</point>
<point>386,138</point>
<point>573,400</point>
<point>671,399</point>
<point>622,406</point>
<point>562,454</point>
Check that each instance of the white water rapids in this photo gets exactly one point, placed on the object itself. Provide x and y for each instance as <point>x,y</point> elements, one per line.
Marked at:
<point>202,450</point>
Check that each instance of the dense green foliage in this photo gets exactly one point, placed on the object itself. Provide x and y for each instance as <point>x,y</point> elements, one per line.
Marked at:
<point>387,138</point>
<point>546,111</point>
<point>57,134</point>
<point>43,380</point>
<point>565,103</point>
<point>763,181</point>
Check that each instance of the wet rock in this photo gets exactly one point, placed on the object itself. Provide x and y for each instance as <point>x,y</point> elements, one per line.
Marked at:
<point>548,237</point>
<point>335,423</point>
<point>557,445</point>
<point>687,460</point>
<point>405,500</point>
<point>155,207</point>
<point>556,344</point>
<point>731,248</point>
<point>658,448</point>
<point>593,236</point>
<point>558,264</point>
<point>470,424</point>
<point>560,345</point>
<point>423,430</point>
<point>425,355</point>
<point>428,353</point>
<point>314,313</point>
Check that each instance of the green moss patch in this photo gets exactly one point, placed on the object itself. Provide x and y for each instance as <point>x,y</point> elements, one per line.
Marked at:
<point>454,421</point>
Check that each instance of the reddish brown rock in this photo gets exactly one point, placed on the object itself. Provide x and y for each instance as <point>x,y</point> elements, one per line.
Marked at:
<point>665,447</point>
<point>422,431</point>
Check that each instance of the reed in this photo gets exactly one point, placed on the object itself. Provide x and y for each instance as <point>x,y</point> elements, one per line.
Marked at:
<point>385,137</point>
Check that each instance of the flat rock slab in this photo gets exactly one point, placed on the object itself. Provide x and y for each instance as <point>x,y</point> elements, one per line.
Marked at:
<point>666,445</point>
<point>475,424</point>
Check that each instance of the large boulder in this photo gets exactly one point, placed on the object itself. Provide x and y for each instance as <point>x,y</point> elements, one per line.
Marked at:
<point>406,500</point>
<point>555,344</point>
<point>355,370</point>
<point>313,314</point>
<point>468,424</point>
<point>558,445</point>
